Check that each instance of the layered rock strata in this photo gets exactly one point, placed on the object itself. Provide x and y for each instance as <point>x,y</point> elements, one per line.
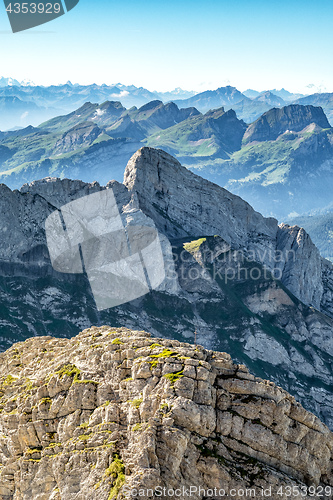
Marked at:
<point>114,412</point>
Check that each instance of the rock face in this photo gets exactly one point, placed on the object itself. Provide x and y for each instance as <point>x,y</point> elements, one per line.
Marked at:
<point>323,99</point>
<point>182,204</point>
<point>113,410</point>
<point>279,120</point>
<point>303,270</point>
<point>83,134</point>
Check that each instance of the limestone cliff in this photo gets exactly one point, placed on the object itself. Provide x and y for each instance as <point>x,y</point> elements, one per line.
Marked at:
<point>113,410</point>
<point>182,203</point>
<point>277,121</point>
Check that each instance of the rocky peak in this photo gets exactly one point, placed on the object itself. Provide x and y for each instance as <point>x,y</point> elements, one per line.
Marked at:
<point>305,256</point>
<point>226,127</point>
<point>113,409</point>
<point>23,226</point>
<point>230,94</point>
<point>168,193</point>
<point>162,115</point>
<point>169,114</point>
<point>181,203</point>
<point>270,98</point>
<point>150,106</point>
<point>111,107</point>
<point>278,120</point>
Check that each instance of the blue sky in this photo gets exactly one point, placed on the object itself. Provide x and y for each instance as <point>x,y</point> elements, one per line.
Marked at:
<point>191,44</point>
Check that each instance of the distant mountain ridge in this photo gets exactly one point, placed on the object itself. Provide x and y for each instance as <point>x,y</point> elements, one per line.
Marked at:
<point>248,105</point>
<point>282,93</point>
<point>325,100</point>
<point>93,142</point>
<point>61,99</point>
<point>147,440</point>
<point>292,118</point>
<point>212,99</point>
<point>285,166</point>
<point>269,98</point>
<point>264,162</point>
<point>217,133</point>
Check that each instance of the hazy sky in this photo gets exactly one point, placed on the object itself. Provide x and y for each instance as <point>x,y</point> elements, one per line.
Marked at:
<point>165,44</point>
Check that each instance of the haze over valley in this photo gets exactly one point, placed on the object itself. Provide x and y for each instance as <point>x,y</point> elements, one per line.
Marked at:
<point>260,146</point>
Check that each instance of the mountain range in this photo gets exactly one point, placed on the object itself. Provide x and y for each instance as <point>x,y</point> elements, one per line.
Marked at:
<point>252,143</point>
<point>247,109</point>
<point>268,164</point>
<point>282,93</point>
<point>93,143</point>
<point>33,104</point>
<point>61,99</point>
<point>264,162</point>
<point>246,285</point>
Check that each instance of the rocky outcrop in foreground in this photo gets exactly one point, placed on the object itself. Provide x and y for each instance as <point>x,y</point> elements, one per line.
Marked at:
<point>114,410</point>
